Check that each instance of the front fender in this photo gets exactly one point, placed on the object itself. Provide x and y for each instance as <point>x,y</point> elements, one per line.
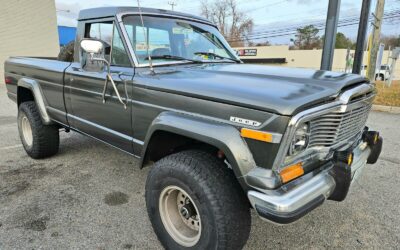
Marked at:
<point>34,87</point>
<point>222,136</point>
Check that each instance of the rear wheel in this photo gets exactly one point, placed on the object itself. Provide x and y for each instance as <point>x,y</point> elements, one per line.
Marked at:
<point>39,140</point>
<point>195,202</point>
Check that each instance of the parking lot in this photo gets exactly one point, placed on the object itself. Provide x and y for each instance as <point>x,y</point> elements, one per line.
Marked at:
<point>91,196</point>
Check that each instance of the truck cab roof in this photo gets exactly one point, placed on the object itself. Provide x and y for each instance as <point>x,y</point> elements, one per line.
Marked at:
<point>102,12</point>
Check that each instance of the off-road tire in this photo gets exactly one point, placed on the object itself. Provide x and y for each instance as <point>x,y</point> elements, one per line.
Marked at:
<point>223,207</point>
<point>45,138</point>
<point>379,77</point>
<point>67,53</point>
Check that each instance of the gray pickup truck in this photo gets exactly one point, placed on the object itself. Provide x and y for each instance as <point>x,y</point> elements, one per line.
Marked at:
<point>225,137</point>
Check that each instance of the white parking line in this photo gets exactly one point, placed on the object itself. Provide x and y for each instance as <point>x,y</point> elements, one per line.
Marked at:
<point>11,147</point>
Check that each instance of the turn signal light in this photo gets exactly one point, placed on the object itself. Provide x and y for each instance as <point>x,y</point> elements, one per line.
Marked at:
<point>292,172</point>
<point>256,135</point>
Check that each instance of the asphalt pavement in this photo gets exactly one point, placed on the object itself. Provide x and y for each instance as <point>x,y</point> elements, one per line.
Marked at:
<point>91,196</point>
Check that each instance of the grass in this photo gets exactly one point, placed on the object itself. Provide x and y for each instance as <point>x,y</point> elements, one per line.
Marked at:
<point>388,96</point>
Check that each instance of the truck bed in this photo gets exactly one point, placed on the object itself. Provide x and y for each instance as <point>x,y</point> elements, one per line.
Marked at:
<point>47,72</point>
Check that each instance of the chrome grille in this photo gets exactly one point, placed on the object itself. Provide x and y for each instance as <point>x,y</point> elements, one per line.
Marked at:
<point>330,129</point>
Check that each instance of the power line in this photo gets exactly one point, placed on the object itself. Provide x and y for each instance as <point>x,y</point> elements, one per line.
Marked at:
<point>265,6</point>
<point>322,22</point>
<point>294,31</point>
<point>319,24</point>
<point>289,33</point>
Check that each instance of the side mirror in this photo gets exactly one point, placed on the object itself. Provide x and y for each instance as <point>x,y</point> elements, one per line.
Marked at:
<point>92,46</point>
<point>92,55</point>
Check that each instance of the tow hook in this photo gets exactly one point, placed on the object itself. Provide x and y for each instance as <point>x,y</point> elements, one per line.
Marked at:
<point>375,141</point>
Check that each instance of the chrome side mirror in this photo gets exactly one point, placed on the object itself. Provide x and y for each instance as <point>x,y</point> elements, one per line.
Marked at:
<point>92,46</point>
<point>92,55</point>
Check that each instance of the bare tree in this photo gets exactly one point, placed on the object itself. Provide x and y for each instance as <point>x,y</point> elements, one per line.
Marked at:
<point>391,41</point>
<point>234,25</point>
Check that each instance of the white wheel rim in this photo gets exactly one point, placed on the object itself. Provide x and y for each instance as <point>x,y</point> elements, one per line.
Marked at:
<point>180,216</point>
<point>26,131</point>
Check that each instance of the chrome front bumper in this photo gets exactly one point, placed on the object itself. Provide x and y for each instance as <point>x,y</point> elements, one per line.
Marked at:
<point>299,197</point>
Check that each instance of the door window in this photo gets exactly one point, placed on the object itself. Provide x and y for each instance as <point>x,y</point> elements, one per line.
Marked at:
<point>103,31</point>
<point>119,55</point>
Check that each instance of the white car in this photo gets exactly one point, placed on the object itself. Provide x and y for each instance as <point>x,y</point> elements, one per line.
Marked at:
<point>382,75</point>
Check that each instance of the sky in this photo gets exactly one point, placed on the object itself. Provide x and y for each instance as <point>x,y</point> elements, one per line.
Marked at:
<point>267,14</point>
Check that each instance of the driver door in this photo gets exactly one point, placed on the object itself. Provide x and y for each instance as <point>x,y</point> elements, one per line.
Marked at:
<point>109,121</point>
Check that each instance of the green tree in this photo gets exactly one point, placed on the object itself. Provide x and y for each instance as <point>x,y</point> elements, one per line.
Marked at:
<point>343,42</point>
<point>307,38</point>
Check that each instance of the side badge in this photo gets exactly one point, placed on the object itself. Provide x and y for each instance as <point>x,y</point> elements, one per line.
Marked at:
<point>245,121</point>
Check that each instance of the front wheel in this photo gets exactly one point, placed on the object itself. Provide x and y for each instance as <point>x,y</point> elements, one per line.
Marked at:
<point>195,202</point>
<point>380,77</point>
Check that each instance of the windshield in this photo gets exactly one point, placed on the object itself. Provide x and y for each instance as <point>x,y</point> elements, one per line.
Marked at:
<point>172,39</point>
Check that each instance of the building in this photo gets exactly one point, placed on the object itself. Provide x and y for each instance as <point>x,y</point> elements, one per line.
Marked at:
<point>27,28</point>
<point>280,55</point>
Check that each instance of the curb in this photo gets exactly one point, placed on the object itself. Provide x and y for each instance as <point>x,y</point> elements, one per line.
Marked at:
<point>388,109</point>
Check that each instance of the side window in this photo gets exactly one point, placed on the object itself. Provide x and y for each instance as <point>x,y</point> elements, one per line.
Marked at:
<point>103,31</point>
<point>119,55</point>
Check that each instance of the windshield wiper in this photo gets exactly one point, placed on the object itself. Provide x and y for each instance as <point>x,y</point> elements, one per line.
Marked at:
<point>171,57</point>
<point>216,56</point>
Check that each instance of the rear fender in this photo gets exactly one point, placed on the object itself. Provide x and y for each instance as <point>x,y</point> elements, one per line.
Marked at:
<point>37,93</point>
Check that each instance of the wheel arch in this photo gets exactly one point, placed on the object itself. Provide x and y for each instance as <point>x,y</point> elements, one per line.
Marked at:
<point>29,90</point>
<point>208,134</point>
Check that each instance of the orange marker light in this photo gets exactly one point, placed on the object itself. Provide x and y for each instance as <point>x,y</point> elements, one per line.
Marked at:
<point>292,172</point>
<point>350,159</point>
<point>256,135</point>
<point>376,137</point>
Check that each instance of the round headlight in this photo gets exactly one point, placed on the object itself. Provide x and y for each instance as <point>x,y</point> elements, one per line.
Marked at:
<point>300,139</point>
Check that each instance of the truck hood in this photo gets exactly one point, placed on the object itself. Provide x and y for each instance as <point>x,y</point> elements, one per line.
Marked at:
<point>274,89</point>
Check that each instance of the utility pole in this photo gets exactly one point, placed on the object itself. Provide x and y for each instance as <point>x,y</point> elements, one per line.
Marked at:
<point>348,61</point>
<point>394,55</point>
<point>172,3</point>
<point>376,33</point>
<point>330,34</point>
<point>362,31</point>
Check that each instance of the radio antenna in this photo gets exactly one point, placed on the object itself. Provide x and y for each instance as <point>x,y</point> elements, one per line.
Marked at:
<point>146,40</point>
